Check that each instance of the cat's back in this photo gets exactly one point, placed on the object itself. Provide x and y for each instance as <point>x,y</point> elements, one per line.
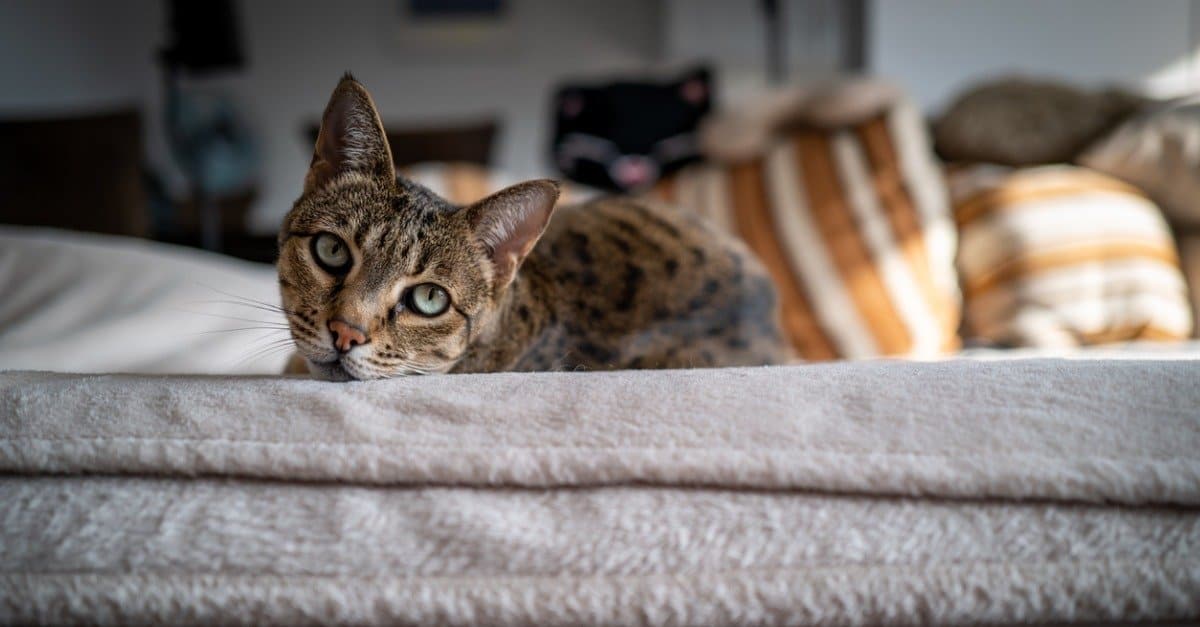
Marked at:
<point>645,284</point>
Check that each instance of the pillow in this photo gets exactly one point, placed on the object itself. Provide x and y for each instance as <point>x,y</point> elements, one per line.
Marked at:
<point>1060,256</point>
<point>80,302</point>
<point>624,135</point>
<point>1018,121</point>
<point>850,216</point>
<point>1159,152</point>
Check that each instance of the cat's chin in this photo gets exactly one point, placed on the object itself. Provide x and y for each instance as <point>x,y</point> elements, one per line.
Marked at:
<point>331,371</point>
<point>336,371</point>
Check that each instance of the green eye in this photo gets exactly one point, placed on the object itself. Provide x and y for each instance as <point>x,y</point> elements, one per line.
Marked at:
<point>428,299</point>
<point>331,253</point>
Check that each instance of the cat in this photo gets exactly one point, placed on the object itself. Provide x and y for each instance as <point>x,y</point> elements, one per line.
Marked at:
<point>626,135</point>
<point>380,277</point>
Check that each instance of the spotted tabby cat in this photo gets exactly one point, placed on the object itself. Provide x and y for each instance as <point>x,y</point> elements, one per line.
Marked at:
<point>381,277</point>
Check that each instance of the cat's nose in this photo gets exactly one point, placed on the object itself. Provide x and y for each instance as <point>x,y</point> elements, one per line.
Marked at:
<point>346,336</point>
<point>632,171</point>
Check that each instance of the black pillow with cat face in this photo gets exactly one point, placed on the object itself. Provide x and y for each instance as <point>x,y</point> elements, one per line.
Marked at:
<point>626,135</point>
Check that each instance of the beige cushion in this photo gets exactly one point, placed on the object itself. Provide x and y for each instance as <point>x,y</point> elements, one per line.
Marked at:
<point>1020,121</point>
<point>1159,152</point>
<point>1063,256</point>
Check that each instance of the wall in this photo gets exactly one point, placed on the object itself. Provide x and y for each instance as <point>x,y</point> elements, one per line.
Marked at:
<point>732,36</point>
<point>75,55</point>
<point>66,55</point>
<point>298,50</point>
<point>78,55</point>
<point>935,48</point>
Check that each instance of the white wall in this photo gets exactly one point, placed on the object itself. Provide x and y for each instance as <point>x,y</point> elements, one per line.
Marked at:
<point>935,48</point>
<point>68,55</point>
<point>732,36</point>
<point>72,56</point>
<point>298,51</point>
<point>80,55</point>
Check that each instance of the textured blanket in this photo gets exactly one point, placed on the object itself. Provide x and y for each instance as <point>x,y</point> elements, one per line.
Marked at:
<point>886,492</point>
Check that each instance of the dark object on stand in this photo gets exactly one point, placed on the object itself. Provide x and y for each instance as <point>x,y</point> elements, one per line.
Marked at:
<point>209,143</point>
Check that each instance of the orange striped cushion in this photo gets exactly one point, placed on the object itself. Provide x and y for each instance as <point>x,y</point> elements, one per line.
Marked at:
<point>854,226</point>
<point>1064,256</point>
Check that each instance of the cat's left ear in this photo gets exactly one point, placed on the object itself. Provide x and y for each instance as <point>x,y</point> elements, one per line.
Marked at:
<point>509,223</point>
<point>351,139</point>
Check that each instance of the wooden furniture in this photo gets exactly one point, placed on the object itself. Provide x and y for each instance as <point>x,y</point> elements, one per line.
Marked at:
<point>82,173</point>
<point>469,142</point>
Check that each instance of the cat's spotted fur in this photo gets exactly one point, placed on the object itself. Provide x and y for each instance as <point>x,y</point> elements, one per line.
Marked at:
<point>615,283</point>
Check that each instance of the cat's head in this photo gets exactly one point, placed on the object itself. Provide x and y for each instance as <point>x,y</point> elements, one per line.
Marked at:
<point>380,276</point>
<point>626,135</point>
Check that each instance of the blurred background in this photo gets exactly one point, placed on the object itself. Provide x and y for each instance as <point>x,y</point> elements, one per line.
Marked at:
<point>917,175</point>
<point>239,84</point>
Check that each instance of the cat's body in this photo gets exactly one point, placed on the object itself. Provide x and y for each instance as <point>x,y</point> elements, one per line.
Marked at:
<point>381,277</point>
<point>618,283</point>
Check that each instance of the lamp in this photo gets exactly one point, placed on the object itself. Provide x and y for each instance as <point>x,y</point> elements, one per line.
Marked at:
<point>211,146</point>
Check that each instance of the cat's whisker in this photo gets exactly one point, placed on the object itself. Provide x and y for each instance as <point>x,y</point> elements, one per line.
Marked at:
<point>264,350</point>
<point>275,350</point>
<point>260,356</point>
<point>242,329</point>
<point>251,301</point>
<point>258,306</point>
<point>237,318</point>
<point>263,341</point>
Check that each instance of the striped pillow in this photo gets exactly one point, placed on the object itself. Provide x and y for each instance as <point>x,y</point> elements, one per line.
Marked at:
<point>1064,256</point>
<point>853,224</point>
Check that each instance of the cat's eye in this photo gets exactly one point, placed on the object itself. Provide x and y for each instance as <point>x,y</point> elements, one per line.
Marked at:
<point>427,299</point>
<point>331,253</point>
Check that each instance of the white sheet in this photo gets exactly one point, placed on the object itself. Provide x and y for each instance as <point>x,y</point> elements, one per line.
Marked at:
<point>90,303</point>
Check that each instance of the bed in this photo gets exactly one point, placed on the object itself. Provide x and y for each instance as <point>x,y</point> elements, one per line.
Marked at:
<point>143,487</point>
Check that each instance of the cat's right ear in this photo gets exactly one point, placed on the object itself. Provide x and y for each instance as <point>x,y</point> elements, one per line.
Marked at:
<point>351,139</point>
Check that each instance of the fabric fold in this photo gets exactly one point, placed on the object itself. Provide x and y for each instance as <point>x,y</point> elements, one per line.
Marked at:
<point>1075,431</point>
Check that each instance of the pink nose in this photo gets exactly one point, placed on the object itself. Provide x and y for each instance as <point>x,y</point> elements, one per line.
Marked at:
<point>633,171</point>
<point>346,336</point>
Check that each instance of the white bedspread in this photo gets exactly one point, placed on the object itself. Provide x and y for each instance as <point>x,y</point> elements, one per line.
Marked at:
<point>868,493</point>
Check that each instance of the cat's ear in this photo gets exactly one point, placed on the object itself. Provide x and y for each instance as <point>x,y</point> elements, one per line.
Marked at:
<point>509,223</point>
<point>351,138</point>
<point>696,88</point>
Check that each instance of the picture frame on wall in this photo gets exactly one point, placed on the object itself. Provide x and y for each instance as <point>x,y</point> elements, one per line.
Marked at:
<point>453,29</point>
